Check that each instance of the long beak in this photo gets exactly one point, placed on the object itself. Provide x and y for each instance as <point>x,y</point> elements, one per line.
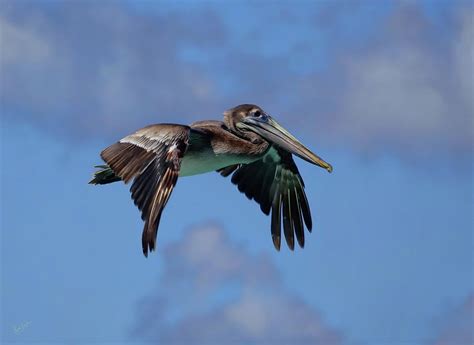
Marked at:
<point>272,131</point>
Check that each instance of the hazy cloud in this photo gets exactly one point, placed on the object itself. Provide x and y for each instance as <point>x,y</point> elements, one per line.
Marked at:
<point>213,291</point>
<point>408,87</point>
<point>93,69</point>
<point>458,325</point>
<point>401,82</point>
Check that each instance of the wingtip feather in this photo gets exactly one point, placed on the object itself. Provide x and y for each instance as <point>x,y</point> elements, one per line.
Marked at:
<point>276,242</point>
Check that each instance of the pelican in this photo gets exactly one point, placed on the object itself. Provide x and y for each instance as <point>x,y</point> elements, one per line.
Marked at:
<point>249,144</point>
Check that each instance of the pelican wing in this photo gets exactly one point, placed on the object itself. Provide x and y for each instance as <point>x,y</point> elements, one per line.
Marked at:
<point>152,158</point>
<point>276,184</point>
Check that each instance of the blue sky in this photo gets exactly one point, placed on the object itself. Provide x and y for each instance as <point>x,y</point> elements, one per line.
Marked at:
<point>382,90</point>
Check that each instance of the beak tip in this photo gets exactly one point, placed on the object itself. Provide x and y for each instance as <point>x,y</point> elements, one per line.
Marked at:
<point>329,168</point>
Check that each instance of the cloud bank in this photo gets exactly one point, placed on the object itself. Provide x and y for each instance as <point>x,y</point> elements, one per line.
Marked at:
<point>402,83</point>
<point>213,291</point>
<point>410,87</point>
<point>89,70</point>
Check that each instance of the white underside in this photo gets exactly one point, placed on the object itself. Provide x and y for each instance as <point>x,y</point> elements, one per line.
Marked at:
<point>200,163</point>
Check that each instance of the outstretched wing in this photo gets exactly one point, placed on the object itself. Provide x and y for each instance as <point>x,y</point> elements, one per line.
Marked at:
<point>276,184</point>
<point>152,158</point>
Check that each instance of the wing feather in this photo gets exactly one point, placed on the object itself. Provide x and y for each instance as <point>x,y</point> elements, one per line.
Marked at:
<point>275,183</point>
<point>265,196</point>
<point>287,220</point>
<point>276,221</point>
<point>152,158</point>
<point>304,206</point>
<point>297,219</point>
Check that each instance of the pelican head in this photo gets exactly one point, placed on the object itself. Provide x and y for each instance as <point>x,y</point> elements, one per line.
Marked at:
<point>246,118</point>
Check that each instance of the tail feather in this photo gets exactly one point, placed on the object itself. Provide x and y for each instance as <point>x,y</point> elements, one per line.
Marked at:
<point>104,176</point>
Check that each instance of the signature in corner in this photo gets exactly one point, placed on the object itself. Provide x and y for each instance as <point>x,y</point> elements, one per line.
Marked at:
<point>21,328</point>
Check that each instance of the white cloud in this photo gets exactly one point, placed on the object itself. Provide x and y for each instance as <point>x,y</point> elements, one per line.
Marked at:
<point>405,88</point>
<point>213,291</point>
<point>403,91</point>
<point>392,96</point>
<point>400,90</point>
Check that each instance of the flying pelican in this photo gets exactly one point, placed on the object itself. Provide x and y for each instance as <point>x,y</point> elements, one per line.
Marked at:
<point>249,143</point>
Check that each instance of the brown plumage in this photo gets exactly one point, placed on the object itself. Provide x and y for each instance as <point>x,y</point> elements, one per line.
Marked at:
<point>248,144</point>
<point>152,156</point>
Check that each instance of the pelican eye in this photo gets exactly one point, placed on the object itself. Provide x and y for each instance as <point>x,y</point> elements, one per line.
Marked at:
<point>257,113</point>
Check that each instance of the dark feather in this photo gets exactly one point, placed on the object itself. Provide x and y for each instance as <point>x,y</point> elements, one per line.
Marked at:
<point>305,207</point>
<point>265,196</point>
<point>276,221</point>
<point>275,183</point>
<point>297,220</point>
<point>288,222</point>
<point>104,175</point>
<point>228,170</point>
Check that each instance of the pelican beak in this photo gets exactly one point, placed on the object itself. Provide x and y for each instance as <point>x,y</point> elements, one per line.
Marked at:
<point>273,132</point>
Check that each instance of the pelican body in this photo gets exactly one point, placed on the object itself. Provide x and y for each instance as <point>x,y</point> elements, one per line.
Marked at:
<point>249,144</point>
